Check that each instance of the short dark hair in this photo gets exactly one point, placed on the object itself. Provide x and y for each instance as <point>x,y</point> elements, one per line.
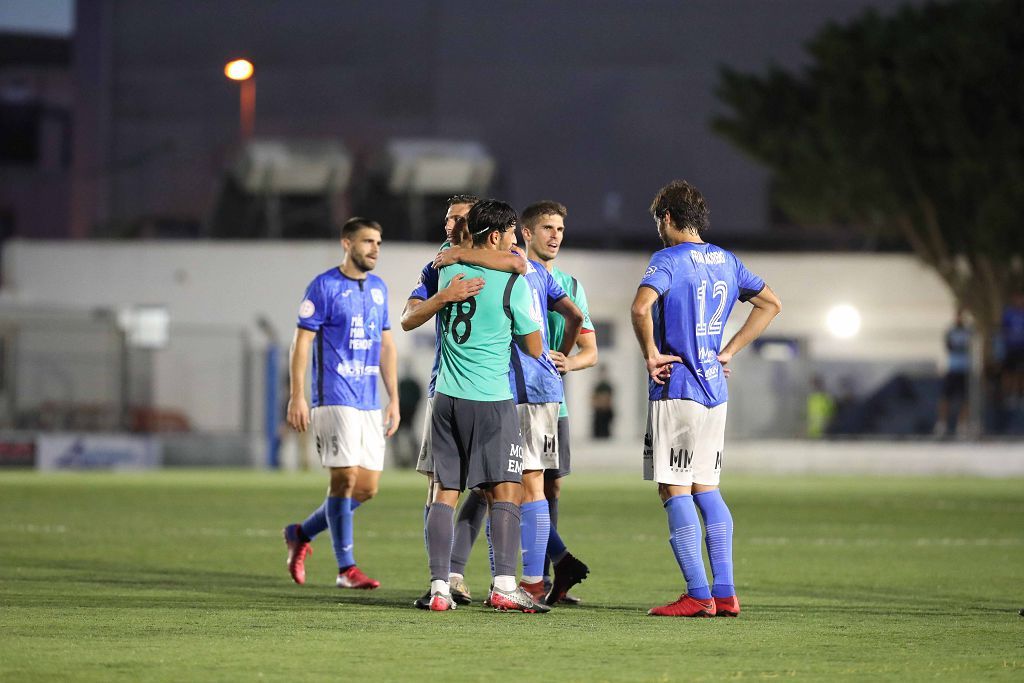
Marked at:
<point>544,208</point>
<point>462,199</point>
<point>488,215</point>
<point>356,223</point>
<point>685,203</point>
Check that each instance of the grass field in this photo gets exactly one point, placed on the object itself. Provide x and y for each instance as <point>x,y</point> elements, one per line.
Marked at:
<point>181,576</point>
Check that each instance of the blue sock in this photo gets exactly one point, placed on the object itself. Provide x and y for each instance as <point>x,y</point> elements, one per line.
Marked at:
<point>534,531</point>
<point>556,548</point>
<point>684,537</point>
<point>355,504</point>
<point>718,528</point>
<point>490,545</point>
<point>316,522</point>
<point>339,520</point>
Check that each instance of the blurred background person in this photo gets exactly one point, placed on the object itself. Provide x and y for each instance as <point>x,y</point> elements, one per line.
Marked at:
<point>821,408</point>
<point>602,402</point>
<point>1013,352</point>
<point>954,383</point>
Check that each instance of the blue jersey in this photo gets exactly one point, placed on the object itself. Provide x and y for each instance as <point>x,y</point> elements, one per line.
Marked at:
<point>1013,328</point>
<point>698,284</point>
<point>536,380</point>
<point>348,317</point>
<point>425,288</point>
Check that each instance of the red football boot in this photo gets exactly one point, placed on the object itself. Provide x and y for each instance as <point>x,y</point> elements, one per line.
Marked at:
<point>536,590</point>
<point>727,607</point>
<point>297,552</point>
<point>353,577</point>
<point>685,606</point>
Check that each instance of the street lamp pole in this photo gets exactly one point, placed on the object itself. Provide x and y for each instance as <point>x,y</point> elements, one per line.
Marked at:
<point>242,70</point>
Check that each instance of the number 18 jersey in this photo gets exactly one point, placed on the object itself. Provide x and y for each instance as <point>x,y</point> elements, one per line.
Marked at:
<point>697,284</point>
<point>476,334</point>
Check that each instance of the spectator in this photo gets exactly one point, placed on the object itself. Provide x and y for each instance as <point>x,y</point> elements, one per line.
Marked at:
<point>954,385</point>
<point>1013,345</point>
<point>821,408</point>
<point>602,400</point>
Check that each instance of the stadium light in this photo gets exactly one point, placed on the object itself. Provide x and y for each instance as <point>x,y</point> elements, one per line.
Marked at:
<point>241,71</point>
<point>843,321</point>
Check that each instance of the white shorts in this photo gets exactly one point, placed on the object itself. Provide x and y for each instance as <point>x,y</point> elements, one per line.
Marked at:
<point>684,442</point>
<point>348,437</point>
<point>538,423</point>
<point>425,460</point>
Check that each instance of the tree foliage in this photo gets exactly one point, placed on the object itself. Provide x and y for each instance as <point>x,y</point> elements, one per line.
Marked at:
<point>912,122</point>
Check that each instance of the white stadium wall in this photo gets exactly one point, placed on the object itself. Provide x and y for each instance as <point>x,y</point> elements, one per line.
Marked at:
<point>223,287</point>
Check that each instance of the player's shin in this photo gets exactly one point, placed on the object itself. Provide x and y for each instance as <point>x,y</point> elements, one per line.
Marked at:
<point>467,527</point>
<point>339,520</point>
<point>684,537</point>
<point>505,524</point>
<point>535,529</point>
<point>718,538</point>
<point>316,522</point>
<point>440,532</point>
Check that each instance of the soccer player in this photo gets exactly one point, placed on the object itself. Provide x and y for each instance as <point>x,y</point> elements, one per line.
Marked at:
<point>424,303</point>
<point>475,439</point>
<point>679,311</point>
<point>543,230</point>
<point>345,311</point>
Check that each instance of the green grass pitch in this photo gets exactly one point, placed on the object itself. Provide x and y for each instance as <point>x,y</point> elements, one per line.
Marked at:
<point>180,575</point>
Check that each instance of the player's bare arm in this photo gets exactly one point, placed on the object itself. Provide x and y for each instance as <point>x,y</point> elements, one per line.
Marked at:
<point>507,261</point>
<point>419,311</point>
<point>532,344</point>
<point>573,323</point>
<point>389,373</point>
<point>298,359</point>
<point>659,366</point>
<point>766,305</point>
<point>585,357</point>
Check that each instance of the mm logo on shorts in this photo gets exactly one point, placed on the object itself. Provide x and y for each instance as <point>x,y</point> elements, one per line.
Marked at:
<point>515,459</point>
<point>679,459</point>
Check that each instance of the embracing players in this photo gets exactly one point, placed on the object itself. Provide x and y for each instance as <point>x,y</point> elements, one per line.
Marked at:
<point>345,313</point>
<point>679,312</point>
<point>424,303</point>
<point>475,435</point>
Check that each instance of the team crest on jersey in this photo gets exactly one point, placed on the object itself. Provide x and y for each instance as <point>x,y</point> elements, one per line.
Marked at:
<point>378,296</point>
<point>651,270</point>
<point>306,309</point>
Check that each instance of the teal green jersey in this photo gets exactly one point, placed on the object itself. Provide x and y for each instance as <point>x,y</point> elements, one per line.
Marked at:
<point>476,334</point>
<point>556,323</point>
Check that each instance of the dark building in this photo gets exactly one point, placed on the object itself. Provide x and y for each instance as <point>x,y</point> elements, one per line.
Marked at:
<point>596,104</point>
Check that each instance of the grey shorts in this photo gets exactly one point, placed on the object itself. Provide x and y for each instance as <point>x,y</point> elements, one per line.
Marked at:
<point>475,443</point>
<point>564,458</point>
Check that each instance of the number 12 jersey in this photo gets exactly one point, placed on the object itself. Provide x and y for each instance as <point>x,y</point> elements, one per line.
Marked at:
<point>697,284</point>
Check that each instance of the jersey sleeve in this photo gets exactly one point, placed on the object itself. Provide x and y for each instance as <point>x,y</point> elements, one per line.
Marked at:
<point>555,291</point>
<point>750,285</point>
<point>581,303</point>
<point>519,308</point>
<point>658,275</point>
<point>426,285</point>
<point>313,309</point>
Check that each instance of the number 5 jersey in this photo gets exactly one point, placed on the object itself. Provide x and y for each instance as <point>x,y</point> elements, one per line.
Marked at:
<point>348,317</point>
